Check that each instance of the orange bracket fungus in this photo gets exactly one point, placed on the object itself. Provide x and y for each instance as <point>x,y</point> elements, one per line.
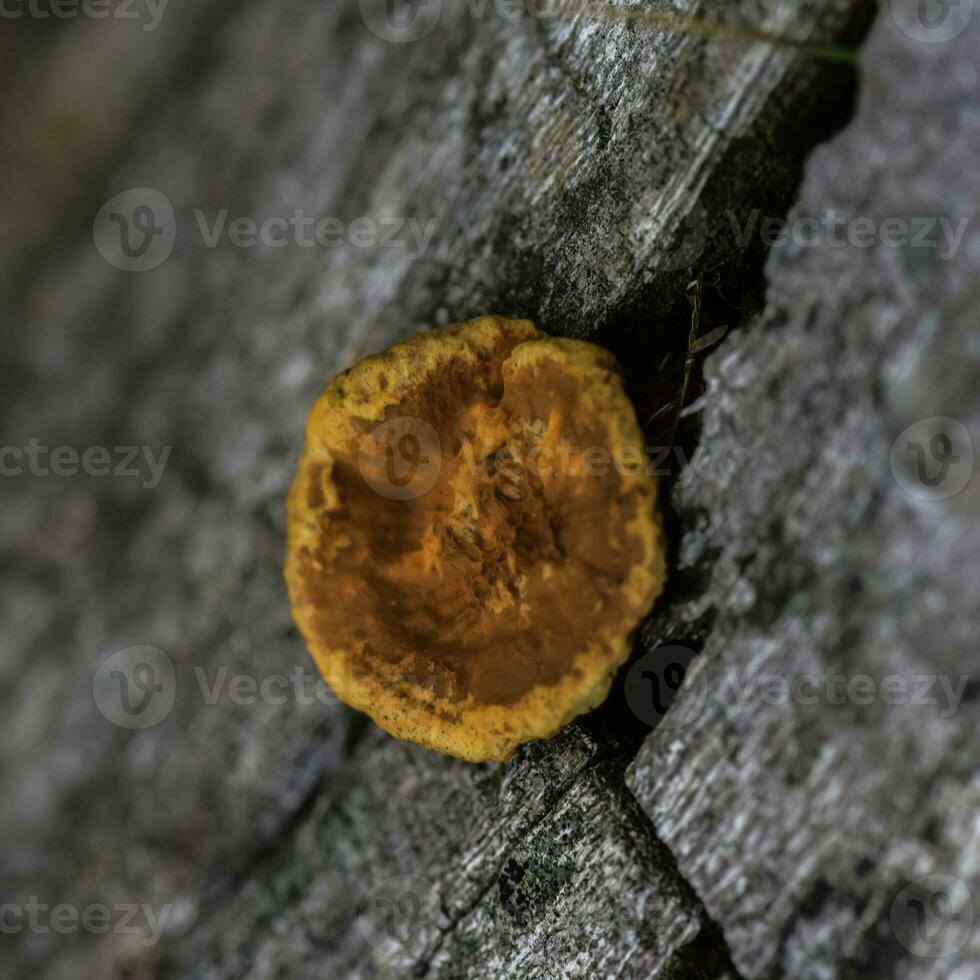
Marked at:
<point>473,535</point>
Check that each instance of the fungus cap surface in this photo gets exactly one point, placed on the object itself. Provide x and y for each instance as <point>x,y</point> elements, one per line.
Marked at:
<point>472,535</point>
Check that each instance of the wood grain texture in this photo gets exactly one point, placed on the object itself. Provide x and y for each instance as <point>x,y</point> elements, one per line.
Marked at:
<point>801,821</point>
<point>558,161</point>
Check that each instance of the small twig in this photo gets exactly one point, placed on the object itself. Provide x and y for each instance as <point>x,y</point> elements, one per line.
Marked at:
<point>694,290</point>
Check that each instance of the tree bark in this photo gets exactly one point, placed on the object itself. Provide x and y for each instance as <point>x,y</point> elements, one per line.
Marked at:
<point>583,169</point>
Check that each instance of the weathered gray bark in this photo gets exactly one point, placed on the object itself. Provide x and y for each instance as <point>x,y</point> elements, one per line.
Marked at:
<point>798,825</point>
<point>560,159</point>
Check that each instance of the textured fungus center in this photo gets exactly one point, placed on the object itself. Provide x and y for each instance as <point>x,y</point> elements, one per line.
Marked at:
<point>472,537</point>
<point>480,585</point>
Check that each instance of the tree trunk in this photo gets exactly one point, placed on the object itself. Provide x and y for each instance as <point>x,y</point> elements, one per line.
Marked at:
<point>806,808</point>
